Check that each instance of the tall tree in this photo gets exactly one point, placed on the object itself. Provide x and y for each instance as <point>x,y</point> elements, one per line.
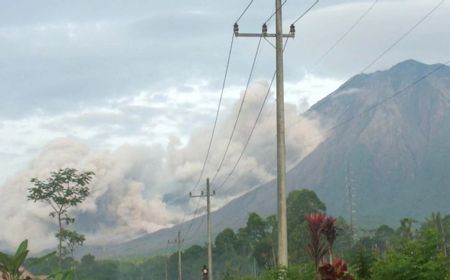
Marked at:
<point>436,221</point>
<point>300,203</point>
<point>64,189</point>
<point>406,229</point>
<point>225,242</point>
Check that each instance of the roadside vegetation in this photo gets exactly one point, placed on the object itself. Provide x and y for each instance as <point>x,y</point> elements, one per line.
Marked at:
<point>321,246</point>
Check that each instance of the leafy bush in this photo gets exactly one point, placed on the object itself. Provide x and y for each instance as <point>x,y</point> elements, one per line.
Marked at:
<point>415,259</point>
<point>10,265</point>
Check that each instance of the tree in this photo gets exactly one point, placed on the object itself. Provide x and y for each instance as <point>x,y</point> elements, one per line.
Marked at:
<point>72,239</point>
<point>64,189</point>
<point>419,259</point>
<point>406,228</point>
<point>383,236</point>
<point>256,228</point>
<point>441,225</point>
<point>361,261</point>
<point>299,203</point>
<point>225,242</point>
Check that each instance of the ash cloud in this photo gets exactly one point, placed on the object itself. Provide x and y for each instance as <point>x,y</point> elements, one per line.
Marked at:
<point>140,189</point>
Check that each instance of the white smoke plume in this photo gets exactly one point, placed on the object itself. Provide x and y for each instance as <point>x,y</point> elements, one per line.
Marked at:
<point>140,189</point>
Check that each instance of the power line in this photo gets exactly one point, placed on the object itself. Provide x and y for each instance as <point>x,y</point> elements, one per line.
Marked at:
<point>245,10</point>
<point>343,36</point>
<point>253,127</point>
<point>264,102</point>
<point>218,110</point>
<point>217,113</point>
<point>200,224</point>
<point>395,94</point>
<point>274,13</point>
<point>305,12</point>
<point>367,67</point>
<point>214,127</point>
<point>220,99</point>
<point>240,109</point>
<point>197,208</point>
<point>403,36</point>
<point>250,135</point>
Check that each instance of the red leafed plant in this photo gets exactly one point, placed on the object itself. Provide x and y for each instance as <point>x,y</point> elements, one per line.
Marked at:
<point>317,248</point>
<point>335,271</point>
<point>329,231</point>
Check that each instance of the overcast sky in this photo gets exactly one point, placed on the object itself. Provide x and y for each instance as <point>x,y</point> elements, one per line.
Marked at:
<point>102,75</point>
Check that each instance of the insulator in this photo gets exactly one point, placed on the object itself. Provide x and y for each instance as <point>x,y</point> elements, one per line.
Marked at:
<point>264,28</point>
<point>292,29</point>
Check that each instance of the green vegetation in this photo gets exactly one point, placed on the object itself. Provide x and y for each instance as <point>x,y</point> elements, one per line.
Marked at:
<point>319,246</point>
<point>63,190</point>
<point>10,265</point>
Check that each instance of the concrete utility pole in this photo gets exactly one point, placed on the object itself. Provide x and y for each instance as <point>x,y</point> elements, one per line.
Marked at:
<point>351,201</point>
<point>208,209</point>
<point>178,241</point>
<point>281,148</point>
<point>350,198</point>
<point>167,260</point>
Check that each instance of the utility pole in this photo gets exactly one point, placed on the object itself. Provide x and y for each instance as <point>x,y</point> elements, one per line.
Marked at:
<point>350,197</point>
<point>351,200</point>
<point>208,210</point>
<point>281,148</point>
<point>167,260</point>
<point>178,241</point>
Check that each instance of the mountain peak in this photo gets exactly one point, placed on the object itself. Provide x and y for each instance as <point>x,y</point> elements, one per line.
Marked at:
<point>408,64</point>
<point>402,73</point>
<point>409,69</point>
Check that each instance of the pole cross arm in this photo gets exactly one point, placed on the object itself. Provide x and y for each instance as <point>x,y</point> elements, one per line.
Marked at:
<point>264,33</point>
<point>269,35</point>
<point>202,194</point>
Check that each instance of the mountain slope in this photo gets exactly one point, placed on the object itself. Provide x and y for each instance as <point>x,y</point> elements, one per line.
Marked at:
<point>392,151</point>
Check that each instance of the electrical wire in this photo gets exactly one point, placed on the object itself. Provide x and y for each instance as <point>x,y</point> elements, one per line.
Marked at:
<point>245,10</point>
<point>217,113</point>
<point>214,128</point>
<point>197,208</point>
<point>364,69</point>
<point>197,229</point>
<point>274,13</point>
<point>397,41</point>
<point>395,94</point>
<point>306,12</point>
<point>328,131</point>
<point>249,136</point>
<point>253,128</point>
<point>239,111</point>
<point>259,114</point>
<point>343,36</point>
<point>403,36</point>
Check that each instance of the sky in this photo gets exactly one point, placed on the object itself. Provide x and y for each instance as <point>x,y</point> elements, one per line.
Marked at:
<point>129,89</point>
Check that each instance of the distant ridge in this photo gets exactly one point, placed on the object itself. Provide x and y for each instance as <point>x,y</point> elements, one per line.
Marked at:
<point>398,157</point>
